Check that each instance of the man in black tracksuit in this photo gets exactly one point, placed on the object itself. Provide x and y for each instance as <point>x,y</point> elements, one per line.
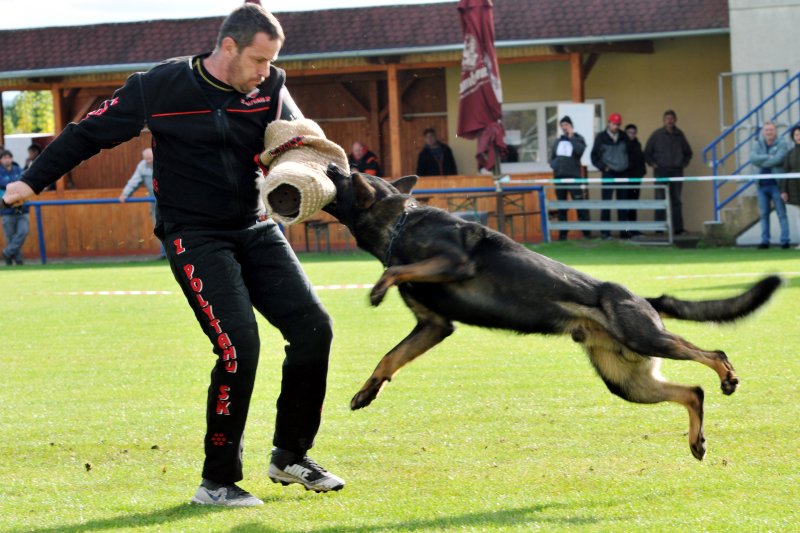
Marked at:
<point>207,116</point>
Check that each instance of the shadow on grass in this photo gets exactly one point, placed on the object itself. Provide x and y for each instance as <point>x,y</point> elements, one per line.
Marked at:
<point>138,520</point>
<point>521,517</point>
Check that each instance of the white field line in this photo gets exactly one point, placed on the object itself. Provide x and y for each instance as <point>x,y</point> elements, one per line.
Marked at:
<point>163,293</point>
<point>369,285</point>
<point>731,275</point>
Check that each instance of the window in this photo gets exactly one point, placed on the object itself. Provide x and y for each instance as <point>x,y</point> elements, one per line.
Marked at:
<point>531,129</point>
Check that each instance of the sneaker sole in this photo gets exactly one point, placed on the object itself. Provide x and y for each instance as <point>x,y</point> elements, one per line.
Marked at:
<point>288,481</point>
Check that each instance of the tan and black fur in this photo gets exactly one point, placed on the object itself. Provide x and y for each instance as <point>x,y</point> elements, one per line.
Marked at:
<point>450,270</point>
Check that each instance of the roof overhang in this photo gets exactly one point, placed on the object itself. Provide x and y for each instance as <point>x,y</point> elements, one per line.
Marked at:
<point>344,54</point>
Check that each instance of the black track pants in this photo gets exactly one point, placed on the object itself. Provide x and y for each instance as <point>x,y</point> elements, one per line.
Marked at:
<point>224,275</point>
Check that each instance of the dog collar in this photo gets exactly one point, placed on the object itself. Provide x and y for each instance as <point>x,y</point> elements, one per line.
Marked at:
<point>396,230</point>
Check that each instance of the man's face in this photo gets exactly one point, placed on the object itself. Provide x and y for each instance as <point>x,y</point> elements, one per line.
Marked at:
<point>249,66</point>
<point>6,161</point>
<point>566,128</point>
<point>358,150</point>
<point>796,136</point>
<point>613,127</point>
<point>770,133</point>
<point>430,138</point>
<point>669,121</point>
<point>631,133</point>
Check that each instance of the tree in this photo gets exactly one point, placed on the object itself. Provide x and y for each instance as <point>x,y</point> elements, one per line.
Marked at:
<point>30,112</point>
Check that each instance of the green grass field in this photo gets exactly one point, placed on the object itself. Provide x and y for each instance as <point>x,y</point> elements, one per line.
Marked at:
<point>102,412</point>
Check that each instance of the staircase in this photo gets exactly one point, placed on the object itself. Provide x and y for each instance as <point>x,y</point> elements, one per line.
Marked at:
<point>729,154</point>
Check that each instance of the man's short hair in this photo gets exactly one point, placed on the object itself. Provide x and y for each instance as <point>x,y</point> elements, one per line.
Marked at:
<point>245,22</point>
<point>428,130</point>
<point>6,153</point>
<point>670,112</point>
<point>631,126</point>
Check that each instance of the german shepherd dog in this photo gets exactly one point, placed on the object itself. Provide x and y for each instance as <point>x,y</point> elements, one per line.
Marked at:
<point>450,270</point>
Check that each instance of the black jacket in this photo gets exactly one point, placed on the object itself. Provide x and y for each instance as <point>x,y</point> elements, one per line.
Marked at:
<point>567,166</point>
<point>611,155</point>
<point>637,168</point>
<point>203,170</point>
<point>431,164</point>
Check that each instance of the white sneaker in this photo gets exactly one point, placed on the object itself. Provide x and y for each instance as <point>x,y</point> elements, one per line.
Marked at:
<point>211,493</point>
<point>286,468</point>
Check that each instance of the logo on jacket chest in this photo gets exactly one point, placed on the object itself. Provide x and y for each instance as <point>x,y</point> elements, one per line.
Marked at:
<point>257,100</point>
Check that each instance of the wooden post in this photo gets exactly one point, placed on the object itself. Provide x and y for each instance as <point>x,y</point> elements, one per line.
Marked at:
<point>394,121</point>
<point>2,120</point>
<point>374,140</point>
<point>576,74</point>
<point>58,126</point>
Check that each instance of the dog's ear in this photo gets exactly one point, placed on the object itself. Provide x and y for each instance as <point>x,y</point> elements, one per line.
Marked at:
<point>365,192</point>
<point>405,184</point>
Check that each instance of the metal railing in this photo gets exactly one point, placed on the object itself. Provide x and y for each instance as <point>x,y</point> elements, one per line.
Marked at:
<point>38,204</point>
<point>783,103</point>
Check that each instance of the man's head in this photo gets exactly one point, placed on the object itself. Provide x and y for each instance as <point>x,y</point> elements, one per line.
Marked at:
<point>147,156</point>
<point>614,122</point>
<point>566,125</point>
<point>430,136</point>
<point>631,130</point>
<point>6,158</point>
<point>34,150</point>
<point>770,132</point>
<point>795,134</point>
<point>669,119</point>
<point>358,150</point>
<point>248,41</point>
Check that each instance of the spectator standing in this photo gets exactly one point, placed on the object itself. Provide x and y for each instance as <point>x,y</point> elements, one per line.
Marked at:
<point>768,156</point>
<point>436,158</point>
<point>668,152</point>
<point>33,152</point>
<point>15,219</point>
<point>224,258</point>
<point>364,161</point>
<point>790,188</point>
<point>565,160</point>
<point>610,156</point>
<point>636,170</point>
<point>142,175</point>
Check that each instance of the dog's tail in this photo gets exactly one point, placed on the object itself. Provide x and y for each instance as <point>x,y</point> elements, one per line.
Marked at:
<point>725,310</point>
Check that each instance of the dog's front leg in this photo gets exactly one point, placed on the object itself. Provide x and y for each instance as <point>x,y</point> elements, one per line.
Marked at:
<point>423,337</point>
<point>439,269</point>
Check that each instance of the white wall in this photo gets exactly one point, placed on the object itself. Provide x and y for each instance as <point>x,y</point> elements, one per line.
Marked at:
<point>764,35</point>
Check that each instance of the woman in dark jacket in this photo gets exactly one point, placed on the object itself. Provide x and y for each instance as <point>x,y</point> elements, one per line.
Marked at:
<point>790,187</point>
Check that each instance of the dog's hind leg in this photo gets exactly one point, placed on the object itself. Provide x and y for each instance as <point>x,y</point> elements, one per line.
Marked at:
<point>637,378</point>
<point>431,329</point>
<point>633,322</point>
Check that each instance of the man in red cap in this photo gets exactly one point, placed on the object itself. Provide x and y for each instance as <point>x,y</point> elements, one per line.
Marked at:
<point>610,154</point>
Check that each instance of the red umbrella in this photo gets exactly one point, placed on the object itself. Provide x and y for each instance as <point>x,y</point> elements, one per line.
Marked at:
<point>480,94</point>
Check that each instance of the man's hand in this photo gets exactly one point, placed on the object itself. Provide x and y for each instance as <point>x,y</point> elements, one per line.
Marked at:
<point>122,198</point>
<point>16,193</point>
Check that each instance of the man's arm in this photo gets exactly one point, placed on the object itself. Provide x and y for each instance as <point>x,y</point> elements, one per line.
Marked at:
<point>650,151</point>
<point>687,151</point>
<point>134,183</point>
<point>117,120</point>
<point>761,157</point>
<point>578,146</point>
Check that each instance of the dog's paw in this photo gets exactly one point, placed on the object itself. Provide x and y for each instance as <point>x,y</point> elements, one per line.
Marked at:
<point>377,294</point>
<point>698,448</point>
<point>368,393</point>
<point>730,383</point>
